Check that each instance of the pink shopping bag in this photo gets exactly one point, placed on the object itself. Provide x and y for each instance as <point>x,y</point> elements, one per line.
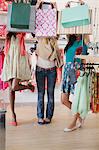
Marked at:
<point>46,20</point>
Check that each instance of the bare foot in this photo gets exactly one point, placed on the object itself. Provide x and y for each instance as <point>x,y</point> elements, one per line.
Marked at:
<point>14,121</point>
<point>72,125</point>
<point>81,122</point>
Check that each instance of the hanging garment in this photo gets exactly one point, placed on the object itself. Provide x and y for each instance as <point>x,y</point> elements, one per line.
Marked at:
<point>81,102</point>
<point>2,84</point>
<point>46,20</point>
<point>2,30</point>
<point>95,92</point>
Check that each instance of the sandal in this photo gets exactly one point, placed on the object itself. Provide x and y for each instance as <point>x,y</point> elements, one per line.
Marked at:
<point>81,123</point>
<point>47,121</point>
<point>70,129</point>
<point>41,121</point>
<point>13,123</point>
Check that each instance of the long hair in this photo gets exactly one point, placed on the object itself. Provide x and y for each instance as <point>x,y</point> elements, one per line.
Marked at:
<point>10,34</point>
<point>72,39</point>
<point>51,41</point>
<point>47,40</point>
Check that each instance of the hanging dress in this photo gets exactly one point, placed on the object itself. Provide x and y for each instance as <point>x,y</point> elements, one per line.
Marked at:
<point>81,102</point>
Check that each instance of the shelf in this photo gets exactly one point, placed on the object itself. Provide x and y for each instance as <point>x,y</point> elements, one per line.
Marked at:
<point>26,40</point>
<point>2,38</point>
<point>30,40</point>
<point>3,12</point>
<point>89,58</point>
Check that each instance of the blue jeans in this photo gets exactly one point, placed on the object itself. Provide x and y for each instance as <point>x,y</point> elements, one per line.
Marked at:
<point>41,75</point>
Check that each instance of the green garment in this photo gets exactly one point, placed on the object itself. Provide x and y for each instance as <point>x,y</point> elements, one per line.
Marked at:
<point>81,102</point>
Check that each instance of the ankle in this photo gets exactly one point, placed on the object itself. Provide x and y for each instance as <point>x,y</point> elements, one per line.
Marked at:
<point>14,116</point>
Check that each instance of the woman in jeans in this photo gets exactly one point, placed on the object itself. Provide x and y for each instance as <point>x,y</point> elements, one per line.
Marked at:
<point>45,71</point>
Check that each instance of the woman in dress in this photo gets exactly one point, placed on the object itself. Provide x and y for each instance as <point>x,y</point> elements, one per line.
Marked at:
<point>16,67</point>
<point>75,46</point>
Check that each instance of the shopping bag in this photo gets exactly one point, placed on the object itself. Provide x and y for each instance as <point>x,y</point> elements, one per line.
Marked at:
<point>86,29</point>
<point>46,22</point>
<point>20,15</point>
<point>31,22</point>
<point>75,16</point>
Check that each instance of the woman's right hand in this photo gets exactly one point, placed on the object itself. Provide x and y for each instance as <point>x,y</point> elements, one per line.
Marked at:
<point>81,2</point>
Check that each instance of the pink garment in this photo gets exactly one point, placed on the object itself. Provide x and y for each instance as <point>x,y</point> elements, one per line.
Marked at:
<point>2,30</point>
<point>22,44</point>
<point>7,46</point>
<point>3,5</point>
<point>2,84</point>
<point>1,60</point>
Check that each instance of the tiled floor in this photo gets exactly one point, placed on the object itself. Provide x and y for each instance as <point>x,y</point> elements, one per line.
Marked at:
<point>28,135</point>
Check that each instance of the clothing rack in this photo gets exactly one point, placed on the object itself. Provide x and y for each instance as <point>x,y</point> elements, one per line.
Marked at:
<point>92,64</point>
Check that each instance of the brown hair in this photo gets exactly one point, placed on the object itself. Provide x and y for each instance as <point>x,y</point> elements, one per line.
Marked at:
<point>10,34</point>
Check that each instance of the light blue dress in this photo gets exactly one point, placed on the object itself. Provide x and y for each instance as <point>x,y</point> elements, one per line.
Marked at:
<point>81,102</point>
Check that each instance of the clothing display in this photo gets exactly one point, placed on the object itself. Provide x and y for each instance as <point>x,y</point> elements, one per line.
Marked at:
<point>49,74</point>
<point>86,95</point>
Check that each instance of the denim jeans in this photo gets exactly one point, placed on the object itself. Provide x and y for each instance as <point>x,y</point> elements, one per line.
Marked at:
<point>41,76</point>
